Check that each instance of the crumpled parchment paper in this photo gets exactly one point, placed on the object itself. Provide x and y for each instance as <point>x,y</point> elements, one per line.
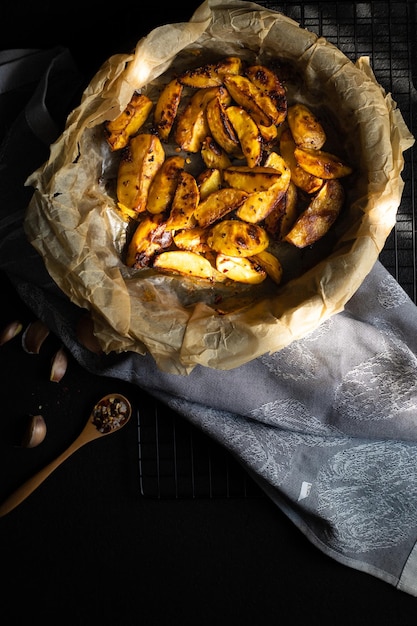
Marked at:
<point>72,222</point>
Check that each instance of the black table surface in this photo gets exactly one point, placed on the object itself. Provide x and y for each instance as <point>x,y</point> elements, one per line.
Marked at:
<point>86,548</point>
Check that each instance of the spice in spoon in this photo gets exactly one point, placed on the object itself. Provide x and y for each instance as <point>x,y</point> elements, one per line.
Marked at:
<point>110,413</point>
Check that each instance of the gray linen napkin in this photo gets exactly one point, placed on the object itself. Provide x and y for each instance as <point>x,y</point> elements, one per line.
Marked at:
<point>327,426</point>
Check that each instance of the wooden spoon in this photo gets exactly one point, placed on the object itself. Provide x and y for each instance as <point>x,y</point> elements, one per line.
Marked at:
<point>110,414</point>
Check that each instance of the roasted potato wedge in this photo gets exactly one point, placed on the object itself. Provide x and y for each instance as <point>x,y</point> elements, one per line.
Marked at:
<point>129,122</point>
<point>221,128</point>
<point>184,203</point>
<point>193,239</point>
<point>218,204</point>
<point>211,74</point>
<point>268,82</point>
<point>268,133</point>
<point>240,269</point>
<point>305,128</point>
<point>276,161</point>
<point>247,95</point>
<point>213,155</point>
<point>184,262</point>
<point>282,217</point>
<point>209,181</point>
<point>138,166</point>
<point>149,237</point>
<point>302,179</point>
<point>237,238</point>
<point>192,127</point>
<point>259,204</point>
<point>163,187</point>
<point>248,134</point>
<point>319,216</point>
<point>251,179</point>
<point>166,108</point>
<point>270,264</point>
<point>321,164</point>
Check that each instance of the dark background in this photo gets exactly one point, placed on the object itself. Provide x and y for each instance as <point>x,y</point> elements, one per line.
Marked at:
<point>87,547</point>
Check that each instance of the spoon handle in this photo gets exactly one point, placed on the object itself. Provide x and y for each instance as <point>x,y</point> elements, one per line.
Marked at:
<point>32,483</point>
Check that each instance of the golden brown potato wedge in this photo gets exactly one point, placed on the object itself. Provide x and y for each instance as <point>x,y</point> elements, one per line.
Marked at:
<point>221,128</point>
<point>184,203</point>
<point>184,262</point>
<point>282,217</point>
<point>211,74</point>
<point>166,108</point>
<point>240,269</point>
<point>268,133</point>
<point>267,81</point>
<point>138,166</point>
<point>276,161</point>
<point>218,204</point>
<point>259,204</point>
<point>193,239</point>
<point>192,127</point>
<point>256,102</point>
<point>213,155</point>
<point>237,238</point>
<point>319,216</point>
<point>209,181</point>
<point>321,164</point>
<point>305,128</point>
<point>248,134</point>
<point>149,237</point>
<point>129,122</point>
<point>163,187</point>
<point>251,179</point>
<point>270,263</point>
<point>302,179</point>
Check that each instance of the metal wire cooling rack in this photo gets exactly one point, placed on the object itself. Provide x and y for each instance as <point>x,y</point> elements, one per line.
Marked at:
<point>175,459</point>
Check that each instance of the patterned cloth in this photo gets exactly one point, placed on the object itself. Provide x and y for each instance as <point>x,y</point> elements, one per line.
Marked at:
<point>326,426</point>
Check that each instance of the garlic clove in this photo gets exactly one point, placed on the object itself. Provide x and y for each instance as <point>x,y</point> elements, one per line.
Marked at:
<point>34,336</point>
<point>35,432</point>
<point>11,330</point>
<point>59,365</point>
